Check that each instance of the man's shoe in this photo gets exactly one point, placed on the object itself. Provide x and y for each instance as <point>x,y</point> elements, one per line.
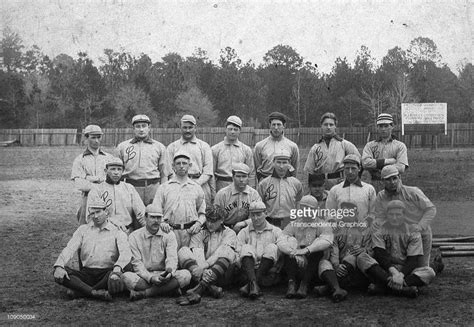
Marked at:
<point>254,290</point>
<point>215,291</point>
<point>322,290</point>
<point>376,289</point>
<point>137,295</point>
<point>302,291</point>
<point>339,295</point>
<point>245,290</point>
<point>291,292</point>
<point>407,291</point>
<point>72,294</point>
<point>101,295</point>
<point>198,289</point>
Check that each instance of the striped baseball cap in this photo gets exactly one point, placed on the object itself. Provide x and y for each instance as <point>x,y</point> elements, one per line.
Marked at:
<point>384,119</point>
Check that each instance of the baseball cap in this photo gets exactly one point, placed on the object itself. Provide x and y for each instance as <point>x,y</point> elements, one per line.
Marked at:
<point>352,158</point>
<point>240,167</point>
<point>309,201</point>
<point>92,130</point>
<point>384,119</point>
<point>257,206</point>
<point>396,204</point>
<point>282,154</point>
<point>316,179</point>
<point>182,154</point>
<point>214,214</point>
<point>189,118</point>
<point>389,171</point>
<point>153,210</point>
<point>277,115</point>
<point>141,119</point>
<point>97,203</point>
<point>234,120</point>
<point>114,162</point>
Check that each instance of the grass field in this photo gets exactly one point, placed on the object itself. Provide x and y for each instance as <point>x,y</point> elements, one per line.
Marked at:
<point>37,212</point>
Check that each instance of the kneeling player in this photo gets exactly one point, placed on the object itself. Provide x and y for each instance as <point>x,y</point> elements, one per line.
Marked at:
<point>397,265</point>
<point>104,255</point>
<point>155,260</point>
<point>309,237</point>
<point>258,248</point>
<point>209,257</point>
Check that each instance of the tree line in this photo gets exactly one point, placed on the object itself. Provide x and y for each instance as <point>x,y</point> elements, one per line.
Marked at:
<point>65,92</point>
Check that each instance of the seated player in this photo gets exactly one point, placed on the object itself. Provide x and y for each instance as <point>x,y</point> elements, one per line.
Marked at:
<point>258,248</point>
<point>125,207</point>
<point>154,260</point>
<point>308,238</point>
<point>209,257</point>
<point>397,265</point>
<point>351,238</point>
<point>105,254</point>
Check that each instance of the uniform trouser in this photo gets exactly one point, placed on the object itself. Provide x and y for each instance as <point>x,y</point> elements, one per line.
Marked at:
<point>183,237</point>
<point>427,239</point>
<point>425,274</point>
<point>87,279</point>
<point>185,254</point>
<point>134,282</point>
<point>82,211</point>
<point>354,279</point>
<point>307,273</point>
<point>147,193</point>
<point>270,251</point>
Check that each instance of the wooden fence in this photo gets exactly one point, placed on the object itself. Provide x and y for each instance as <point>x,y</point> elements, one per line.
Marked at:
<point>459,135</point>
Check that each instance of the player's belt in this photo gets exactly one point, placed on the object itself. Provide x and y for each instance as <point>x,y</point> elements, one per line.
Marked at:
<point>194,176</point>
<point>183,226</point>
<point>142,182</point>
<point>224,179</point>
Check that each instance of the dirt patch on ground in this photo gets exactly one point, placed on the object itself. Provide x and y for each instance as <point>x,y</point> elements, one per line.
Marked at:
<point>37,213</point>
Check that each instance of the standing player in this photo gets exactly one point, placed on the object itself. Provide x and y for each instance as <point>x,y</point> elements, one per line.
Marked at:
<point>146,162</point>
<point>182,202</point>
<point>276,142</point>
<point>229,152</point>
<point>235,199</point>
<point>386,150</point>
<point>280,192</point>
<point>88,168</point>
<point>201,167</point>
<point>124,205</point>
<point>325,157</point>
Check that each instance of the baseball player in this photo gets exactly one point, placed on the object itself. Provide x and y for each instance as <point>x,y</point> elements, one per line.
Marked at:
<point>124,205</point>
<point>386,150</point>
<point>145,159</point>
<point>280,192</point>
<point>182,202</point>
<point>88,168</point>
<point>154,260</point>
<point>258,248</point>
<point>353,190</point>
<point>235,198</point>
<point>201,168</point>
<point>105,255</point>
<point>276,142</point>
<point>318,191</point>
<point>304,248</point>
<point>229,152</point>
<point>209,257</point>
<point>398,252</point>
<point>326,156</point>
<point>351,239</point>
<point>419,211</point>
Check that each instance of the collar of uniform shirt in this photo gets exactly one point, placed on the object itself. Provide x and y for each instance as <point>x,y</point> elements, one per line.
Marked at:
<point>402,227</point>
<point>235,191</point>
<point>335,136</point>
<point>108,225</point>
<point>88,152</point>
<point>357,182</point>
<point>145,140</point>
<point>226,141</point>
<point>175,180</point>
<point>158,233</point>
<point>193,140</point>
<point>390,139</point>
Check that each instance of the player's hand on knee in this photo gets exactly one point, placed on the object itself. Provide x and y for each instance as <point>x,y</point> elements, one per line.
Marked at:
<point>355,250</point>
<point>301,261</point>
<point>209,276</point>
<point>197,273</point>
<point>165,227</point>
<point>341,271</point>
<point>59,274</point>
<point>194,229</point>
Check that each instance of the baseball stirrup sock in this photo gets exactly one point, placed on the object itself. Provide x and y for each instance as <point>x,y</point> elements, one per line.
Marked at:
<point>190,264</point>
<point>329,276</point>
<point>220,267</point>
<point>248,264</point>
<point>414,280</point>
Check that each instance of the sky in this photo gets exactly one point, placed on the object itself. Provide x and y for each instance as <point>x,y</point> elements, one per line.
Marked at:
<point>320,31</point>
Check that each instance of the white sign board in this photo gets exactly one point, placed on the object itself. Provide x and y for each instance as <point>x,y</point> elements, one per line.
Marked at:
<point>427,116</point>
